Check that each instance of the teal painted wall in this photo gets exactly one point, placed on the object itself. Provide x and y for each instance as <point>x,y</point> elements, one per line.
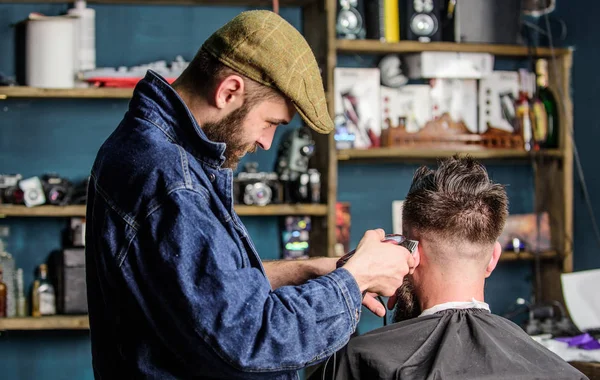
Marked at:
<point>43,135</point>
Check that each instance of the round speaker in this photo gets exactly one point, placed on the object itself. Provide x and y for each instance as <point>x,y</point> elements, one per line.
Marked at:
<point>423,25</point>
<point>349,21</point>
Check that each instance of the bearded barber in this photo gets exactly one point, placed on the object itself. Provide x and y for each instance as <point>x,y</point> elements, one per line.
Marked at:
<point>176,288</point>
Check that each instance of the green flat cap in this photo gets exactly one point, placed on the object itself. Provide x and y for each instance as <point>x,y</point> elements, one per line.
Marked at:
<point>266,48</point>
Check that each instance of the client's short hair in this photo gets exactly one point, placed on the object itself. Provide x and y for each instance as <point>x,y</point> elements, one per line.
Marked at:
<point>457,202</point>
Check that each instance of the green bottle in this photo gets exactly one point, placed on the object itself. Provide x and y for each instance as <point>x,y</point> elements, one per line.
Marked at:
<point>549,101</point>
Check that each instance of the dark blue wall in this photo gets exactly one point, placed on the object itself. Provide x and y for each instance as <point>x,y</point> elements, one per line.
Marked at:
<point>63,136</point>
<point>581,20</point>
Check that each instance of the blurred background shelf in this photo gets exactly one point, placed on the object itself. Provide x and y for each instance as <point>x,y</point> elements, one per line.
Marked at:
<point>7,92</point>
<point>59,322</point>
<point>378,47</point>
<point>396,153</point>
<point>242,210</point>
<point>528,256</point>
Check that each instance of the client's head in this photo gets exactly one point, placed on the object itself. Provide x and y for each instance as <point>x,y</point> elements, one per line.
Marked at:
<point>457,214</point>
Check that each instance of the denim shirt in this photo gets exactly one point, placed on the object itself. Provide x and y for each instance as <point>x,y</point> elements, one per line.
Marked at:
<point>175,286</point>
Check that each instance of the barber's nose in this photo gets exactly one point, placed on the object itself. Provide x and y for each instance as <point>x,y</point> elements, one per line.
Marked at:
<point>266,139</point>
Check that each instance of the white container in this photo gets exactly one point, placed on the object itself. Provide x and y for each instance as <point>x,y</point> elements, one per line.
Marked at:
<point>451,65</point>
<point>49,52</point>
<point>85,36</point>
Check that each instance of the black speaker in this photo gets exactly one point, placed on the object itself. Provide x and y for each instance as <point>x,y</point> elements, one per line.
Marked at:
<point>484,21</point>
<point>350,23</point>
<point>421,20</point>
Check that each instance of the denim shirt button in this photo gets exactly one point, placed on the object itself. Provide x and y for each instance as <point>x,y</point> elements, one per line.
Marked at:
<point>211,177</point>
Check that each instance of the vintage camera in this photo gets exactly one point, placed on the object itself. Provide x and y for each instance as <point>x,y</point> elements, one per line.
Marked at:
<point>300,184</point>
<point>252,187</point>
<point>10,192</point>
<point>295,151</point>
<point>305,188</point>
<point>58,190</point>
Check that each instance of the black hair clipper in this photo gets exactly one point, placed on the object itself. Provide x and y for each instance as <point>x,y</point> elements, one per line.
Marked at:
<point>397,239</point>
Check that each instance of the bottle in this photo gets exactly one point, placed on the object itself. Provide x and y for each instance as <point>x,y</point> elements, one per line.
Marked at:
<point>539,119</point>
<point>44,298</point>
<point>85,36</point>
<point>21,303</point>
<point>8,265</point>
<point>523,112</point>
<point>549,101</point>
<point>2,296</point>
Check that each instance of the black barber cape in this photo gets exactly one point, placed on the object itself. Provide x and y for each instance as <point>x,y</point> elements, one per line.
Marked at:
<point>451,344</point>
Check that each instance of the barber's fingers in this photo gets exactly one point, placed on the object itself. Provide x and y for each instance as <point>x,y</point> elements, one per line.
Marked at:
<point>373,304</point>
<point>381,233</point>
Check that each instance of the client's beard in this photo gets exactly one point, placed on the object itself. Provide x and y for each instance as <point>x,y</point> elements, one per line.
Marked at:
<point>407,302</point>
<point>229,130</point>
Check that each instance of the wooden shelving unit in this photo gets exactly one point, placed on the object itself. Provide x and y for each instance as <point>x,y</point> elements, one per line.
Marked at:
<point>7,92</point>
<point>404,47</point>
<point>242,210</point>
<point>553,170</point>
<point>59,322</point>
<point>399,153</point>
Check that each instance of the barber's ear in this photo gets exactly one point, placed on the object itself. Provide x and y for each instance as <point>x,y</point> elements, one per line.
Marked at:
<point>229,93</point>
<point>493,260</point>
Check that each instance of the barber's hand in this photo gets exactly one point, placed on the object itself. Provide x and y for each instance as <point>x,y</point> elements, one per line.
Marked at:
<point>379,267</point>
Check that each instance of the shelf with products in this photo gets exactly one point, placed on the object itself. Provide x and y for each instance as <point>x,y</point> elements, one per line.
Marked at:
<point>403,47</point>
<point>55,322</point>
<point>400,153</point>
<point>552,168</point>
<point>9,92</point>
<point>242,210</point>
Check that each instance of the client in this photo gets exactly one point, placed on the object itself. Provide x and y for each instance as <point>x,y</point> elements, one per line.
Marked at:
<point>445,330</point>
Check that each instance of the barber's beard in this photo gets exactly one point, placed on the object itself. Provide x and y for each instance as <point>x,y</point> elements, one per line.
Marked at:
<point>407,303</point>
<point>229,130</point>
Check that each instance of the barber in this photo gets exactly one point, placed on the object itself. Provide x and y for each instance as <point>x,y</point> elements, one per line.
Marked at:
<point>175,286</point>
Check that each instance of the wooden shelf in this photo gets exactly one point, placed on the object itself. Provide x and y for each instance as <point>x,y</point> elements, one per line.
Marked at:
<point>527,256</point>
<point>242,210</point>
<point>7,92</point>
<point>378,47</point>
<point>288,209</point>
<point>59,322</point>
<point>52,211</point>
<point>396,153</point>
<point>297,3</point>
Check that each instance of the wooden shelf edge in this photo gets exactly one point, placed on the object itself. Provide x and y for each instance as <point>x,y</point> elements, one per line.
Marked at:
<point>58,322</point>
<point>242,210</point>
<point>8,92</point>
<point>378,47</point>
<point>416,153</point>
<point>298,3</point>
<point>39,211</point>
<point>286,209</point>
<point>527,256</point>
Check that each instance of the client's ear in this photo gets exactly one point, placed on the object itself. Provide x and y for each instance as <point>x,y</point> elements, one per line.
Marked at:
<point>494,259</point>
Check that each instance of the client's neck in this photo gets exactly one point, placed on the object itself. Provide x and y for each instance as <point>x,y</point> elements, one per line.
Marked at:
<point>438,286</point>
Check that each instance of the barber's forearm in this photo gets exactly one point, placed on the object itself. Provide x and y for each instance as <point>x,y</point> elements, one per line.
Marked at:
<point>296,272</point>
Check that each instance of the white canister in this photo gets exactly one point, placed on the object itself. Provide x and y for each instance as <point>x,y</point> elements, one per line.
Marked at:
<point>50,51</point>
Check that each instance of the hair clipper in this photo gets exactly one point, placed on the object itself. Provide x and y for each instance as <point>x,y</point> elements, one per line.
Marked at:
<point>397,239</point>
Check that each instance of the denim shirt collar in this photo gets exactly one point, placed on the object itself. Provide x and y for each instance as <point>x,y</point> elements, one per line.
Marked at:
<point>155,100</point>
